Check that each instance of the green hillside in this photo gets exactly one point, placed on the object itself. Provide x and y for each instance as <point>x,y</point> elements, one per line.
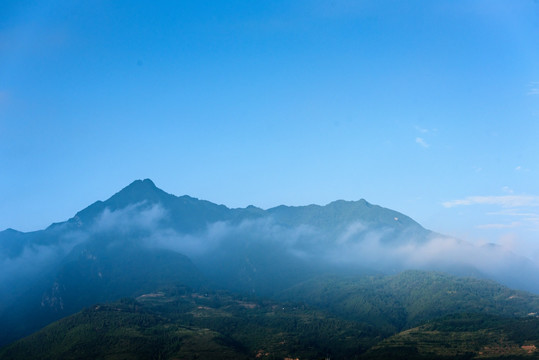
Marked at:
<point>464,336</point>
<point>120,331</point>
<point>412,315</point>
<point>183,324</point>
<point>393,303</point>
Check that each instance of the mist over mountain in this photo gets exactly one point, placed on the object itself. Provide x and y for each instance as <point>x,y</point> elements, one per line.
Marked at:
<point>143,238</point>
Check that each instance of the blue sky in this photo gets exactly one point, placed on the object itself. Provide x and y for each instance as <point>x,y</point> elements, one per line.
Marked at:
<point>430,108</point>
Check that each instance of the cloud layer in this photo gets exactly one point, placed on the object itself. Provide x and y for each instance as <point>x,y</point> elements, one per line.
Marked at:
<point>353,245</point>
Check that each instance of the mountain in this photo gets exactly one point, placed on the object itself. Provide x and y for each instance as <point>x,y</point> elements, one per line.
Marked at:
<point>359,322</point>
<point>184,213</point>
<point>143,238</point>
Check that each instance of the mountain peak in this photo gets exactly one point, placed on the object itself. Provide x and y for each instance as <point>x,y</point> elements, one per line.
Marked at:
<point>141,184</point>
<point>11,231</point>
<point>137,191</point>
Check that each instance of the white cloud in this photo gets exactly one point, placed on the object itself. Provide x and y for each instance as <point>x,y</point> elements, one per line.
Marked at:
<point>139,216</point>
<point>534,88</point>
<point>421,142</point>
<point>352,230</point>
<point>514,224</point>
<point>521,169</point>
<point>513,212</point>
<point>507,190</point>
<point>422,130</point>
<point>504,201</point>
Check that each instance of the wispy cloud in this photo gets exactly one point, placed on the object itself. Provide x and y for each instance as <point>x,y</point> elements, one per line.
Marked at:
<point>514,211</point>
<point>533,88</point>
<point>507,190</point>
<point>513,224</point>
<point>504,201</point>
<point>521,169</point>
<point>421,142</point>
<point>421,130</point>
<point>524,217</point>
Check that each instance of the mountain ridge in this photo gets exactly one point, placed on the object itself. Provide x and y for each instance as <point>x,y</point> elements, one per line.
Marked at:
<point>98,254</point>
<point>145,190</point>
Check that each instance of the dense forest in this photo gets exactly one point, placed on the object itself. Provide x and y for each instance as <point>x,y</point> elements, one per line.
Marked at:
<point>415,315</point>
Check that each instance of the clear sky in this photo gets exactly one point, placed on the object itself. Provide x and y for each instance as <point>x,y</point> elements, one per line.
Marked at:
<point>430,108</point>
